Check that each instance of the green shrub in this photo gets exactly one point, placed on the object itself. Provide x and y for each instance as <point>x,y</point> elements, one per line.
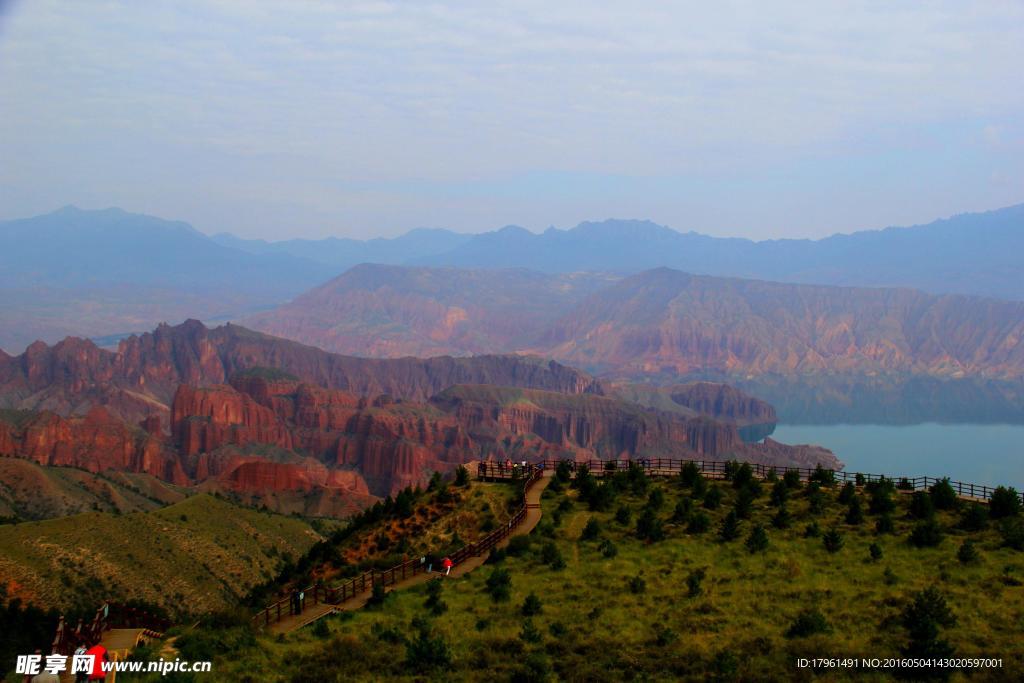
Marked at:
<point>730,527</point>
<point>923,617</point>
<point>885,525</point>
<point>693,582</point>
<point>881,498</point>
<point>434,603</point>
<point>427,652</point>
<point>889,577</point>
<point>608,549</point>
<point>757,541</point>
<point>782,519</point>
<point>683,510</point>
<point>699,523</point>
<point>656,500</point>
<point>565,505</point>
<point>563,472</point>
<point>823,476</point>
<point>808,622</point>
<point>859,479</point>
<point>665,636</point>
<point>650,527</point>
<point>519,545</point>
<point>623,515</point>
<point>602,497</point>
<point>832,540</point>
<point>744,504</point>
<point>780,494</point>
<point>729,469</point>
<point>875,551</point>
<point>378,595</point>
<point>552,556</point>
<point>847,493</point>
<point>967,552</point>
<point>943,495</point>
<point>531,606</point>
<point>812,530</point>
<point>713,498</point>
<point>530,633</point>
<point>637,585</point>
<point>855,512</point>
<point>700,488</point>
<point>926,534</point>
<point>461,476</point>
<point>815,499</point>
<point>792,479</point>
<point>689,474</point>
<point>499,585</point>
<point>1004,503</point>
<point>974,517</point>
<point>592,530</point>
<point>921,506</point>
<point>742,477</point>
<point>1012,530</point>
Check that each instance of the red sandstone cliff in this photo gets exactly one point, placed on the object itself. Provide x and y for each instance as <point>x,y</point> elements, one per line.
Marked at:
<point>95,442</point>
<point>143,375</point>
<point>390,445</point>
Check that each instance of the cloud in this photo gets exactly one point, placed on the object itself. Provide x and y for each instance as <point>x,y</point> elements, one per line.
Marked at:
<point>297,103</point>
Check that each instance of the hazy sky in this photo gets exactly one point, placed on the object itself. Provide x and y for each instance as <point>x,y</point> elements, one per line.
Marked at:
<point>281,119</point>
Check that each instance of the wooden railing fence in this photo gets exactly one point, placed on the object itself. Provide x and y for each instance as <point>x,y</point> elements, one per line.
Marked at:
<point>717,469</point>
<point>107,616</point>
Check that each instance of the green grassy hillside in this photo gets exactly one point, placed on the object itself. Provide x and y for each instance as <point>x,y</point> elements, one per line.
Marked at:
<point>199,555</point>
<point>29,491</point>
<point>628,586</point>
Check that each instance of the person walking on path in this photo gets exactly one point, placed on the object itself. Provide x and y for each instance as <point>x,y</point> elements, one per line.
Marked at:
<point>447,564</point>
<point>82,676</point>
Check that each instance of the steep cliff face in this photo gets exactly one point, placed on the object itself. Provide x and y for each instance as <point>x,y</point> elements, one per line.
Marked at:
<point>600,427</point>
<point>95,442</point>
<point>143,375</point>
<point>390,445</point>
<point>605,427</point>
<point>205,419</point>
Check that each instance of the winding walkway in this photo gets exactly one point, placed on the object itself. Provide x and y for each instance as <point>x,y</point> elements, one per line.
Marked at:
<point>315,612</point>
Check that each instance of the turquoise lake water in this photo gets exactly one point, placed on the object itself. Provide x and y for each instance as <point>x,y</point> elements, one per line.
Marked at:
<point>979,454</point>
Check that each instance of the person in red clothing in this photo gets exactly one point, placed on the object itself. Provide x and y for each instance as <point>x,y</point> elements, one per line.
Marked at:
<point>447,564</point>
<point>99,655</point>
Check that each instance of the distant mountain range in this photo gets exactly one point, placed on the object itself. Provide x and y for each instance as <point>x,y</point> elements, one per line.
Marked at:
<point>74,272</point>
<point>974,253</point>
<point>658,324</point>
<point>100,273</point>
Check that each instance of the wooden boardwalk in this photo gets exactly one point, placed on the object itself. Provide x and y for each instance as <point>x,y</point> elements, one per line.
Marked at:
<point>316,612</point>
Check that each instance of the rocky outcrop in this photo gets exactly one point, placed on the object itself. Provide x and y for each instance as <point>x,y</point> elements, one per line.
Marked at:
<point>389,444</point>
<point>606,428</point>
<point>143,375</point>
<point>723,402</point>
<point>204,419</point>
<point>96,442</point>
<point>771,452</point>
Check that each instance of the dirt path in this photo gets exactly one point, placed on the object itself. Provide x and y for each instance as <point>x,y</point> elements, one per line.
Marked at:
<point>311,614</point>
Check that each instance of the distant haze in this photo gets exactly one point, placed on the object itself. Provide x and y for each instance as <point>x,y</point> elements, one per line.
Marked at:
<point>278,120</point>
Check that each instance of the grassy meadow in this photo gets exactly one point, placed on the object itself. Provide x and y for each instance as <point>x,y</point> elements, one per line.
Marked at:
<point>646,580</point>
